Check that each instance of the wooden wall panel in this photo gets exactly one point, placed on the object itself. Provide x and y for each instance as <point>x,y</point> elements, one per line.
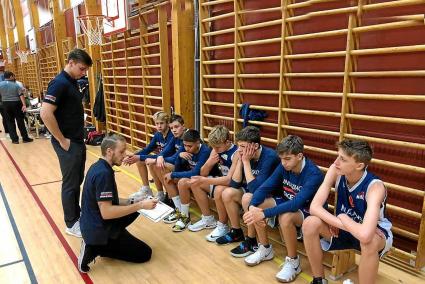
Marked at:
<point>136,78</point>
<point>327,70</point>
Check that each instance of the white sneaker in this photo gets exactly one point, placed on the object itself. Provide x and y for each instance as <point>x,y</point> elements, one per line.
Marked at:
<point>143,192</point>
<point>260,255</point>
<point>74,230</point>
<point>206,222</point>
<point>290,269</point>
<point>219,231</point>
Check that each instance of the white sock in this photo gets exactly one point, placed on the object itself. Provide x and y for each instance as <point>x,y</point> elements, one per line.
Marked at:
<point>160,194</point>
<point>219,224</point>
<point>177,203</point>
<point>207,218</point>
<point>146,187</point>
<point>185,209</point>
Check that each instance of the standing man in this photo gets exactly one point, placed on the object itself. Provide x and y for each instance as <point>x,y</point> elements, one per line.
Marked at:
<point>14,108</point>
<point>63,114</point>
<point>2,113</point>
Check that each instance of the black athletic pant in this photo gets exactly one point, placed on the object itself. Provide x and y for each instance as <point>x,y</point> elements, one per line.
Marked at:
<point>13,111</point>
<point>3,115</point>
<point>125,246</point>
<point>72,163</point>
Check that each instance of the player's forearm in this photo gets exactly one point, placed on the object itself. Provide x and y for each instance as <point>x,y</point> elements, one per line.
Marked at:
<point>22,100</point>
<point>219,180</point>
<point>117,211</point>
<point>248,172</point>
<point>363,232</point>
<point>237,175</point>
<point>51,123</point>
<point>206,168</point>
<point>327,217</point>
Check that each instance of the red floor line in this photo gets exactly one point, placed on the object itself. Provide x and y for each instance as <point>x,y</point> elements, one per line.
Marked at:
<point>86,278</point>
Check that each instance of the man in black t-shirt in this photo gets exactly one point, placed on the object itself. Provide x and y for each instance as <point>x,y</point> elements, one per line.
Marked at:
<point>105,216</point>
<point>63,114</point>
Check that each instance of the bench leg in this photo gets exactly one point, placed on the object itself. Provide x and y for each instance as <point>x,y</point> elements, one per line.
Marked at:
<point>343,262</point>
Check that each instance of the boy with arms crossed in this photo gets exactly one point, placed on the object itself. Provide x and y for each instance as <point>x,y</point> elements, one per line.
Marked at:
<point>360,221</point>
<point>292,187</point>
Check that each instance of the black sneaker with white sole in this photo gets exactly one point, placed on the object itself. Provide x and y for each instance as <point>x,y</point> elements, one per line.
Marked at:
<point>245,248</point>
<point>234,236</point>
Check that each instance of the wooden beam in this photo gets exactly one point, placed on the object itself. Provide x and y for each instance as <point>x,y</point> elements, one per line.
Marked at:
<point>238,66</point>
<point>19,19</point>
<point>3,40</point>
<point>67,4</point>
<point>94,51</point>
<point>11,46</point>
<point>35,22</point>
<point>60,33</point>
<point>420,258</point>
<point>163,51</point>
<point>285,67</point>
<point>183,56</point>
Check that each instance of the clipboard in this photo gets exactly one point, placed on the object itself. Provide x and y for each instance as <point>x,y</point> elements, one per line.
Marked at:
<point>160,211</point>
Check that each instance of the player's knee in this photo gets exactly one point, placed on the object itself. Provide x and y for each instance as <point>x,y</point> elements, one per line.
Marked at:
<point>183,183</point>
<point>311,226</point>
<point>286,220</point>
<point>371,247</point>
<point>227,194</point>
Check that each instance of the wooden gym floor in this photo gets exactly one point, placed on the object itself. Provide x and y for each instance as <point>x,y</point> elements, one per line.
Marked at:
<point>34,248</point>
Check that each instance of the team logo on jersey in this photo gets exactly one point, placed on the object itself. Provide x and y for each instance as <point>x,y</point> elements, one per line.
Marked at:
<point>224,156</point>
<point>351,201</point>
<point>255,172</point>
<point>50,98</point>
<point>288,189</point>
<point>352,214</point>
<point>160,146</point>
<point>192,164</point>
<point>107,194</point>
<point>360,195</point>
<point>288,192</point>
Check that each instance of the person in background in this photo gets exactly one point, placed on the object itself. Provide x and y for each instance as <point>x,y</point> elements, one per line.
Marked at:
<point>13,108</point>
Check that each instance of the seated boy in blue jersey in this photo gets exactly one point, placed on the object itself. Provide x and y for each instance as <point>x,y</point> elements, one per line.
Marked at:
<point>188,163</point>
<point>215,176</point>
<point>165,160</point>
<point>359,222</point>
<point>285,195</point>
<point>104,216</point>
<point>255,164</point>
<point>145,158</point>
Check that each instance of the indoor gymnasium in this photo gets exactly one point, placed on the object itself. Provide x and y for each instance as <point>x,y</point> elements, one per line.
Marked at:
<point>212,141</point>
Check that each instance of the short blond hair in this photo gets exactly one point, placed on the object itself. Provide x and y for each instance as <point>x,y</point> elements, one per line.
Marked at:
<point>218,135</point>
<point>161,116</point>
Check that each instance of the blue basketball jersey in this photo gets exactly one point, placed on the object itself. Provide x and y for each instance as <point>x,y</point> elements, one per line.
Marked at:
<point>226,159</point>
<point>352,201</point>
